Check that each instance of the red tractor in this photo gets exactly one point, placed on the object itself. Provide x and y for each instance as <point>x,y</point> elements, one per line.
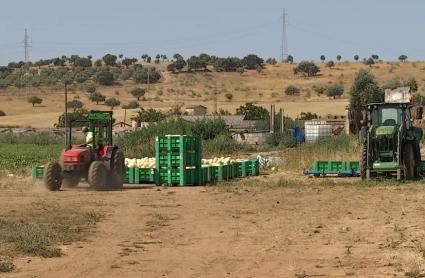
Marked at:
<point>99,162</point>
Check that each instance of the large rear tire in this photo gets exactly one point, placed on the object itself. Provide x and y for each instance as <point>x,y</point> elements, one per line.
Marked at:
<point>53,176</point>
<point>117,170</point>
<point>363,154</point>
<point>98,176</point>
<point>410,163</point>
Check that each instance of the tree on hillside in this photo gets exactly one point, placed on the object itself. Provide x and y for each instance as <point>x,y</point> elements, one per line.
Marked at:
<point>112,102</point>
<point>138,93</point>
<point>205,58</point>
<point>365,90</point>
<point>105,77</point>
<point>412,84</point>
<point>83,62</point>
<point>96,97</point>
<point>330,64</point>
<point>252,112</point>
<point>402,58</point>
<point>319,89</point>
<point>195,63</point>
<point>148,59</point>
<point>75,104</point>
<point>369,62</point>
<point>90,88</point>
<point>128,62</point>
<point>322,58</point>
<point>179,64</point>
<point>109,59</point>
<point>178,57</point>
<point>335,91</point>
<point>307,68</point>
<point>252,61</point>
<point>98,63</point>
<point>35,100</point>
<point>356,57</point>
<point>271,61</point>
<point>290,59</point>
<point>338,58</point>
<point>150,115</point>
<point>131,105</point>
<point>120,56</point>
<point>374,57</point>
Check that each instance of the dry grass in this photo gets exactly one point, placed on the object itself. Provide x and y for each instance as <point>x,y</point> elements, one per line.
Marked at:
<point>264,89</point>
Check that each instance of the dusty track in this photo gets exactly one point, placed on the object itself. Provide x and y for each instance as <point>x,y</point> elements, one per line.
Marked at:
<point>242,232</point>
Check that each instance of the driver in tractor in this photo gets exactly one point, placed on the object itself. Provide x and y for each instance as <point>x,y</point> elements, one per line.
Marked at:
<point>89,137</point>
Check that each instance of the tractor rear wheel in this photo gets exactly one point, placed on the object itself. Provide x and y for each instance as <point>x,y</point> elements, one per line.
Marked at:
<point>53,176</point>
<point>117,171</point>
<point>363,154</point>
<point>409,161</point>
<point>98,176</point>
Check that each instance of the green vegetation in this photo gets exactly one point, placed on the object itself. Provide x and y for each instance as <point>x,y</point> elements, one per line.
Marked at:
<point>252,112</point>
<point>18,157</point>
<point>335,90</point>
<point>96,97</point>
<point>2,113</point>
<point>365,89</point>
<point>138,93</point>
<point>307,68</point>
<point>112,102</point>
<point>38,229</point>
<point>131,105</point>
<point>150,115</point>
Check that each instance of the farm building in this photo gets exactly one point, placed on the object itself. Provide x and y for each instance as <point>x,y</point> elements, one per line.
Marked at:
<point>196,110</point>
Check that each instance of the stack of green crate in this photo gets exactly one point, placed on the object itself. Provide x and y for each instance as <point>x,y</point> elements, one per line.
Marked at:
<point>140,175</point>
<point>243,168</point>
<point>178,160</point>
<point>254,167</point>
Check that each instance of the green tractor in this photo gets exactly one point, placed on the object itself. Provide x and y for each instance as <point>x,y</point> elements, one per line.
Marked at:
<point>389,141</point>
<point>98,162</point>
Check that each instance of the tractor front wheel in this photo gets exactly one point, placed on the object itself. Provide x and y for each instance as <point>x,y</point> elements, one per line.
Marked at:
<point>98,176</point>
<point>53,176</point>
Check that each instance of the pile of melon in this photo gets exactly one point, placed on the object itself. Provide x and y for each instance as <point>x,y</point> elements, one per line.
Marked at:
<point>146,162</point>
<point>216,161</point>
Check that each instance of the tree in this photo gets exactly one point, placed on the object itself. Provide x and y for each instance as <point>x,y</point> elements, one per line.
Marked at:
<point>179,64</point>
<point>322,58</point>
<point>306,116</point>
<point>356,57</point>
<point>128,61</point>
<point>137,93</point>
<point>227,64</point>
<point>82,62</point>
<point>112,102</point>
<point>120,56</point>
<point>178,57</point>
<point>369,62</point>
<point>109,59</point>
<point>292,91</point>
<point>307,68</point>
<point>35,100</point>
<point>365,90</point>
<point>338,58</point>
<point>150,115</point>
<point>2,113</point>
<point>335,91</point>
<point>171,67</point>
<point>402,58</point>
<point>195,63</point>
<point>252,61</point>
<point>75,104</point>
<point>105,77</point>
<point>392,84</point>
<point>229,96</point>
<point>330,64</point>
<point>205,58</point>
<point>290,59</point>
<point>252,112</point>
<point>98,63</point>
<point>96,97</point>
<point>374,57</point>
<point>271,61</point>
<point>148,59</point>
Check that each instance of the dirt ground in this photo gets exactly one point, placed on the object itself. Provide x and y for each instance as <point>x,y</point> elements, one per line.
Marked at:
<point>234,230</point>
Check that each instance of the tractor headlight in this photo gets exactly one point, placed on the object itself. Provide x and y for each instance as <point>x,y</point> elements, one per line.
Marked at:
<point>70,159</point>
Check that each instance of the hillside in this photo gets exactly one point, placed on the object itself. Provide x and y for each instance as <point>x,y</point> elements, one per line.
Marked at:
<point>184,89</point>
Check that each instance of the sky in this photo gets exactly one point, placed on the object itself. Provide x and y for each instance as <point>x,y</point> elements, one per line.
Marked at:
<point>387,28</point>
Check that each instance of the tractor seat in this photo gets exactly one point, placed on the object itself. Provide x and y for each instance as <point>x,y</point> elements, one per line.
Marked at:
<point>389,122</point>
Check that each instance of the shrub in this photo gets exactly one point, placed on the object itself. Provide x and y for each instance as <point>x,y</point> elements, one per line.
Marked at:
<point>292,91</point>
<point>330,64</point>
<point>90,88</point>
<point>96,97</point>
<point>149,115</point>
<point>75,104</point>
<point>252,112</point>
<point>252,61</point>
<point>305,116</point>
<point>2,113</point>
<point>229,96</point>
<point>105,77</point>
<point>79,114</point>
<point>137,93</point>
<point>319,89</point>
<point>286,140</point>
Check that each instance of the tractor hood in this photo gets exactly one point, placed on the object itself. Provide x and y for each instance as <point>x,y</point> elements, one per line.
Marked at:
<point>386,130</point>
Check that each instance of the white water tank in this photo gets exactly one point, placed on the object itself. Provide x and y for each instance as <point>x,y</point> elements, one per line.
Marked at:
<point>314,130</point>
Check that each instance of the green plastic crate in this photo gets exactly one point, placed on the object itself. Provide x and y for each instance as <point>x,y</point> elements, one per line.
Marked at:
<point>206,174</point>
<point>37,172</point>
<point>178,143</point>
<point>141,175</point>
<point>180,160</point>
<point>221,172</point>
<point>243,168</point>
<point>352,166</point>
<point>254,167</point>
<point>336,166</point>
<point>179,177</point>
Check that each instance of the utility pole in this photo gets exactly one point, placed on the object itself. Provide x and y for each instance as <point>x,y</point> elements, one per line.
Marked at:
<point>215,101</point>
<point>147,90</point>
<point>26,58</point>
<point>66,115</point>
<point>284,46</point>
